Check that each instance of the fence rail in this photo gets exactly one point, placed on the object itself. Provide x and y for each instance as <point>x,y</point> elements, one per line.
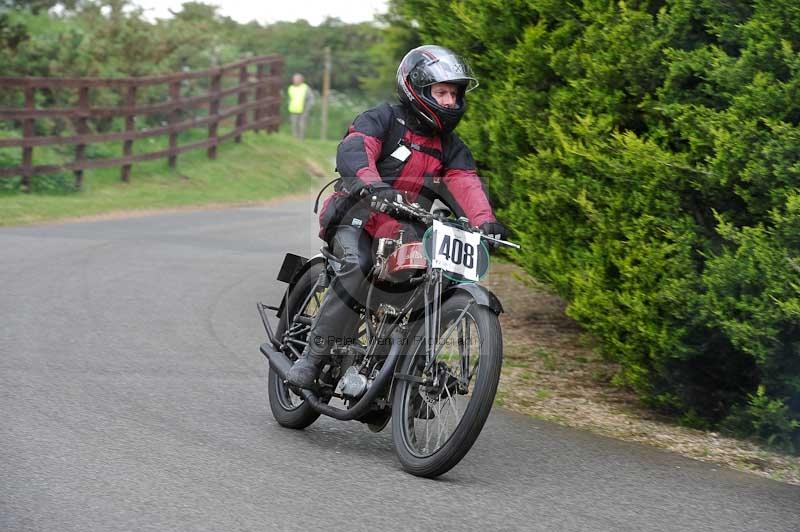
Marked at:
<point>257,91</point>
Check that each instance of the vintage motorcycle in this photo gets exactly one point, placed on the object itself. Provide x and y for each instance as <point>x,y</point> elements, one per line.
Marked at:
<point>426,350</point>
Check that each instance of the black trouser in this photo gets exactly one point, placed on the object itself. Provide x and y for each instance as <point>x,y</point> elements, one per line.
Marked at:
<point>336,317</point>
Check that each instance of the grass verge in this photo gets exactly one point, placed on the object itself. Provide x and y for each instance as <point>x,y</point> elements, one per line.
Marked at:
<point>552,371</point>
<point>261,167</point>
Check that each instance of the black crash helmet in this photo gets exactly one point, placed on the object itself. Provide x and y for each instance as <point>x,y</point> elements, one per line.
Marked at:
<point>421,68</point>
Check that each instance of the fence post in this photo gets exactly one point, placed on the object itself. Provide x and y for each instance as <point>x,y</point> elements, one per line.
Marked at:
<point>82,128</point>
<point>261,90</point>
<point>326,90</point>
<point>241,118</point>
<point>27,132</point>
<point>276,75</point>
<point>213,113</point>
<point>174,96</point>
<point>130,126</point>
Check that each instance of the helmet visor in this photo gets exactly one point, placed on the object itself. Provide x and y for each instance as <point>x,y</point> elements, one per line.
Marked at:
<point>443,69</point>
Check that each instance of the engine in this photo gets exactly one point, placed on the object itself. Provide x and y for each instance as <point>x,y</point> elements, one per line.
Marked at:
<point>352,384</point>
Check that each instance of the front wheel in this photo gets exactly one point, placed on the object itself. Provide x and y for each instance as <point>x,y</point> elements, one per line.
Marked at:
<point>438,413</point>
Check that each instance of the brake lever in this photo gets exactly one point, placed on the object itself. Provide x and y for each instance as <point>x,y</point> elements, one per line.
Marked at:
<point>401,209</point>
<point>379,205</point>
<point>501,242</point>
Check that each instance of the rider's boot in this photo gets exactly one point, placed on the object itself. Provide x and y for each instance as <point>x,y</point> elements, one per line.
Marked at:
<point>306,370</point>
<point>321,338</point>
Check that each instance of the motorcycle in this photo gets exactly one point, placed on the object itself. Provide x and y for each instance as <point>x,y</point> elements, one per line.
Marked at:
<point>425,352</point>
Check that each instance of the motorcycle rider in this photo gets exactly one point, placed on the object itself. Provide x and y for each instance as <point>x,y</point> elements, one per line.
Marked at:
<point>409,149</point>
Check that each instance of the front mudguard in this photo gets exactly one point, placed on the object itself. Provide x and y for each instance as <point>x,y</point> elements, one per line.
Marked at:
<point>482,295</point>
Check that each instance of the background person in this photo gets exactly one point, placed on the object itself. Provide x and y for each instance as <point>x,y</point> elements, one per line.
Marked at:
<point>301,98</point>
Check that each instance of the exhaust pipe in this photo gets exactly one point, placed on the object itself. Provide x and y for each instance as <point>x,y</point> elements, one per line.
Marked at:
<point>281,364</point>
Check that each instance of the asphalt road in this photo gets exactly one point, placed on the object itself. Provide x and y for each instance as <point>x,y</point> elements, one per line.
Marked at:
<point>133,397</point>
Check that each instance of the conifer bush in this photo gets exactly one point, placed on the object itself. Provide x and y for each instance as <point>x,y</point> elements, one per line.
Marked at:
<point>647,156</point>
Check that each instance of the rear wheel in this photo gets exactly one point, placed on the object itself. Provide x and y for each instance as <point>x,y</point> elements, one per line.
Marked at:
<point>302,305</point>
<point>439,412</point>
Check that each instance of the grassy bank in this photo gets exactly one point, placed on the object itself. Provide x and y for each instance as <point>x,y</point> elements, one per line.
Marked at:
<point>261,167</point>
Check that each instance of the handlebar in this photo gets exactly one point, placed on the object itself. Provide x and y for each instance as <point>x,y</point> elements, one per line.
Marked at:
<point>413,212</point>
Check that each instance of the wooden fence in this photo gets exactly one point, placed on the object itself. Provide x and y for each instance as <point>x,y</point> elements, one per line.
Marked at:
<point>256,90</point>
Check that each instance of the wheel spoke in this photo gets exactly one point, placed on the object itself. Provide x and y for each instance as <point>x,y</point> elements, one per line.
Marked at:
<point>451,401</point>
<point>443,340</point>
<point>440,423</point>
<point>427,424</point>
<point>466,346</point>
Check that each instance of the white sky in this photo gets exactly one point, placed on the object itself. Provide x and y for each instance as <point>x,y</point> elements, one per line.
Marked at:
<point>265,12</point>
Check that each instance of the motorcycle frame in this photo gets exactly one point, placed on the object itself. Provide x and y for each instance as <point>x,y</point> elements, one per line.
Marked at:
<point>435,292</point>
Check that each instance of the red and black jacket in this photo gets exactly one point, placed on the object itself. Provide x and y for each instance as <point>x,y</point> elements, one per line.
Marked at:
<point>438,167</point>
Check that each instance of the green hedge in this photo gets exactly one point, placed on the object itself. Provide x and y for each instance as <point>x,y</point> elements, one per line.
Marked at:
<point>647,157</point>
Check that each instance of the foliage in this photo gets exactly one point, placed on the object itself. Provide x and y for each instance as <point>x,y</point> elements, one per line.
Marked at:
<point>398,37</point>
<point>647,156</point>
<point>111,38</point>
<point>107,38</point>
<point>769,419</point>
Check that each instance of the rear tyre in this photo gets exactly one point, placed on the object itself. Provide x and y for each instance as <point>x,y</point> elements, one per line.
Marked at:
<point>288,408</point>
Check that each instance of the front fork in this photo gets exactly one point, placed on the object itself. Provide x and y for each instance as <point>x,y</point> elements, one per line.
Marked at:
<point>433,319</point>
<point>433,333</point>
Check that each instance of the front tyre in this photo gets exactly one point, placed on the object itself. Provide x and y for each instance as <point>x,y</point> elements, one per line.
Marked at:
<point>436,421</point>
<point>288,408</point>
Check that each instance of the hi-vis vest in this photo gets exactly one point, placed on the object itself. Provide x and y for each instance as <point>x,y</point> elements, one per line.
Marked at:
<point>297,98</point>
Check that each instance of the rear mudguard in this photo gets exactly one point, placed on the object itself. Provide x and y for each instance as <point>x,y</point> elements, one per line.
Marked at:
<point>293,277</point>
<point>482,296</point>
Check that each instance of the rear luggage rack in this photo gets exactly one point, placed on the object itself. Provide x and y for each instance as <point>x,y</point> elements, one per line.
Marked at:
<point>261,308</point>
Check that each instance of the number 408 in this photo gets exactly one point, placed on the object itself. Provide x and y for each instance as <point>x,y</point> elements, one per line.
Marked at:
<point>458,252</point>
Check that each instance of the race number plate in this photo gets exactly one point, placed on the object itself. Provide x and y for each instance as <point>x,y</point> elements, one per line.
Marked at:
<point>455,251</point>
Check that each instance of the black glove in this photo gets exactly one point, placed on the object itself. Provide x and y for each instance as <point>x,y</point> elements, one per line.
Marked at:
<point>494,230</point>
<point>382,192</point>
